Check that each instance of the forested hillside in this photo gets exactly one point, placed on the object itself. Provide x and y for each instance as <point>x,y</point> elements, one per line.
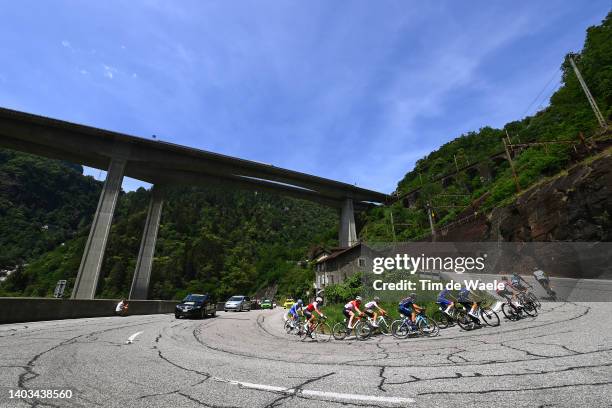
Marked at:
<point>43,203</point>
<point>568,114</point>
<point>215,240</point>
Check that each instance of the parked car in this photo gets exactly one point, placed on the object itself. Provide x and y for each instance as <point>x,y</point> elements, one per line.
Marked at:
<point>288,303</point>
<point>266,304</point>
<point>196,305</point>
<point>238,304</point>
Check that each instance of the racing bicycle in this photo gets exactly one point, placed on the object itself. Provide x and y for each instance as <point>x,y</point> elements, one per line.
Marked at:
<point>362,329</point>
<point>383,324</point>
<point>513,312</point>
<point>424,325</point>
<point>320,330</point>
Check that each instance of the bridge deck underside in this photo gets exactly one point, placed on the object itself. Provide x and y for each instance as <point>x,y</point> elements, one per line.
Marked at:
<point>159,162</point>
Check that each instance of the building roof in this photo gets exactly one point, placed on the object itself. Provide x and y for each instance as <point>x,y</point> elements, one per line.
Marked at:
<point>336,252</point>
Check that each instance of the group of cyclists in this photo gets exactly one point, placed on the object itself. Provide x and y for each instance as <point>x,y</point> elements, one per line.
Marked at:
<point>352,311</point>
<point>510,289</point>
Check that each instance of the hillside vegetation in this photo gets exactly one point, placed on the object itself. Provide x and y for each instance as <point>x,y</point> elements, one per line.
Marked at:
<point>568,114</point>
<point>212,240</point>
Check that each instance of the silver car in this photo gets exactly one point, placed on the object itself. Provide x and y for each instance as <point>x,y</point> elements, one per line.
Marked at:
<point>238,304</point>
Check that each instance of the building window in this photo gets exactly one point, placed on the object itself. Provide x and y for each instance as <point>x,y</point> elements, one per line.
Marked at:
<point>361,263</point>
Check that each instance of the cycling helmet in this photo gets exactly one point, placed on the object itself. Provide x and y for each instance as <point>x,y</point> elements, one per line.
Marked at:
<point>319,299</point>
<point>413,295</point>
<point>299,302</point>
<point>376,299</point>
<point>358,298</point>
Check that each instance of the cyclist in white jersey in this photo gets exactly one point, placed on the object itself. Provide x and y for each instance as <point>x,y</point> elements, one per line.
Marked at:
<point>371,309</point>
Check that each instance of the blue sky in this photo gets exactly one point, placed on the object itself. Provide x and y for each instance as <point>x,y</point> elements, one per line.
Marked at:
<point>355,91</point>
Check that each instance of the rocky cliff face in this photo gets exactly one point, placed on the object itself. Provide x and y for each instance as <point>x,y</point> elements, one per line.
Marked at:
<point>576,206</point>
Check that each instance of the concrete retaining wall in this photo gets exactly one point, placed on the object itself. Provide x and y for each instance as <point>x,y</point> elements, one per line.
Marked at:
<point>16,310</point>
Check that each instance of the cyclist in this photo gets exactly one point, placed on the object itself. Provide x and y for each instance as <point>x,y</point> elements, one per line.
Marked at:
<point>443,301</point>
<point>312,307</point>
<point>506,291</point>
<point>517,282</point>
<point>351,309</point>
<point>295,309</point>
<point>371,309</point>
<point>464,297</point>
<point>543,280</point>
<point>408,308</point>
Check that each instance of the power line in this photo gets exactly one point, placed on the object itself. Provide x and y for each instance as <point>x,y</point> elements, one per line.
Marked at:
<point>540,93</point>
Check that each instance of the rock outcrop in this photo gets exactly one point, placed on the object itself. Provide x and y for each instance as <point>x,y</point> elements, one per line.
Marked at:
<point>575,206</point>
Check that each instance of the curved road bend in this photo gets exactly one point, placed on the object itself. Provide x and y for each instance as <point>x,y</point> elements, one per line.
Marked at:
<point>561,358</point>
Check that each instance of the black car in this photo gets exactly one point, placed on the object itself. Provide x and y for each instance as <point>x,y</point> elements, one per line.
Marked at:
<point>196,305</point>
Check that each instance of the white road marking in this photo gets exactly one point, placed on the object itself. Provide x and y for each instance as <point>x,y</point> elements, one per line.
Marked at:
<point>132,337</point>
<point>321,394</point>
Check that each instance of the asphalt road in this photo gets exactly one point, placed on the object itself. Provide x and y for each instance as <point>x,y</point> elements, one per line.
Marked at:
<point>561,358</point>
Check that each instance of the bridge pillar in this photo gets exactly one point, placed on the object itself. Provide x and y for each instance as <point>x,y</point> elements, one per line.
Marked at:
<point>348,231</point>
<point>89,270</point>
<point>144,263</point>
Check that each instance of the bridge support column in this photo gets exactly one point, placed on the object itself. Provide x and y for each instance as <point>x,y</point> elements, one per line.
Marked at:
<point>144,263</point>
<point>348,231</point>
<point>89,271</point>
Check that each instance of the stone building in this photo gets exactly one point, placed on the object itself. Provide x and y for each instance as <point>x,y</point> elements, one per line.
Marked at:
<point>338,264</point>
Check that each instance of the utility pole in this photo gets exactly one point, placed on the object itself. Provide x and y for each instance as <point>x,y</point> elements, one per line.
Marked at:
<point>431,224</point>
<point>516,183</point>
<point>392,225</point>
<point>598,115</point>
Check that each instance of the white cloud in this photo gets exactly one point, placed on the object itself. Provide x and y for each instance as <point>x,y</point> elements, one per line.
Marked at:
<point>66,44</point>
<point>109,71</point>
<point>84,72</point>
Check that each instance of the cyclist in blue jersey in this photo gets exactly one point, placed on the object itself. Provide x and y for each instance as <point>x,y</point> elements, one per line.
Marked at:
<point>517,282</point>
<point>295,308</point>
<point>444,302</point>
<point>466,300</point>
<point>409,308</point>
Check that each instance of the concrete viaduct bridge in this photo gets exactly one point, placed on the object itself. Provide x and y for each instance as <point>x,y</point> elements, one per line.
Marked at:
<point>161,163</point>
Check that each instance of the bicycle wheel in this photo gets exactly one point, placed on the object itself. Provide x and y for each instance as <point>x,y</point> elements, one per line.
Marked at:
<point>428,327</point>
<point>384,325</point>
<point>304,334</point>
<point>534,299</point>
<point>509,312</point>
<point>464,321</point>
<point>442,318</point>
<point>362,330</point>
<point>489,317</point>
<point>400,329</point>
<point>323,333</point>
<point>530,309</point>
<point>290,326</point>
<point>340,331</point>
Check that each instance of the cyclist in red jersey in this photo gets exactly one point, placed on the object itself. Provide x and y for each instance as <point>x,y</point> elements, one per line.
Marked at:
<point>351,309</point>
<point>312,307</point>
